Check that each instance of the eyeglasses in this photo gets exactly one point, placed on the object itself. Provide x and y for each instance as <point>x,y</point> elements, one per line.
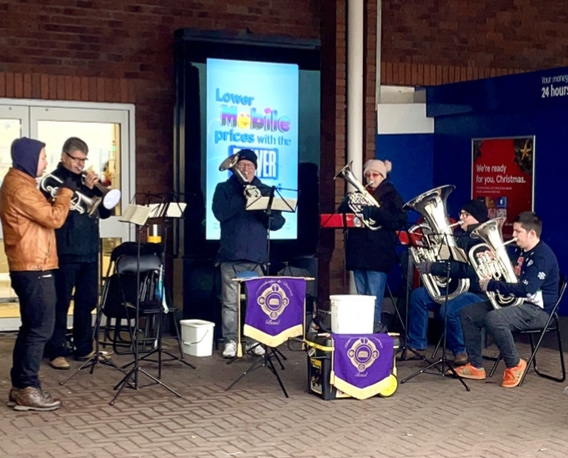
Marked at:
<point>77,159</point>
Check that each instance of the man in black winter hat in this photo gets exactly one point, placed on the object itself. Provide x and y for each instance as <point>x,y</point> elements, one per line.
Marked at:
<point>243,246</point>
<point>28,222</point>
<point>472,214</point>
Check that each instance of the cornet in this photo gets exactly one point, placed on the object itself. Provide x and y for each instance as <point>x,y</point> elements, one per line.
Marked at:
<point>110,198</point>
<point>361,198</point>
<point>250,191</point>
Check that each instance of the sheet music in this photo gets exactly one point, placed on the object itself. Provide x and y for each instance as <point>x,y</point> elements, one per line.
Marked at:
<point>173,210</point>
<point>135,214</point>
<point>278,203</point>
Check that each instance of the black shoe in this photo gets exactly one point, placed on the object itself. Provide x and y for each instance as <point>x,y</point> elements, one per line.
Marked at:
<point>380,328</point>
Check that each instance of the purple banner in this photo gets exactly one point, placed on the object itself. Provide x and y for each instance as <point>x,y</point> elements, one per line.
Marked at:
<point>362,363</point>
<point>275,309</point>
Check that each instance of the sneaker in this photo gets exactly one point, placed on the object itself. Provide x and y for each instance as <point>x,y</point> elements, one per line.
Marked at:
<point>512,376</point>
<point>411,353</point>
<point>470,372</point>
<point>230,350</point>
<point>256,349</point>
<point>460,359</point>
<point>60,363</point>
<point>12,397</point>
<point>31,398</point>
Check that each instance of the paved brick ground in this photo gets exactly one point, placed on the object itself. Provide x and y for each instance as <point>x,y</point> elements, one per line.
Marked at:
<point>430,416</point>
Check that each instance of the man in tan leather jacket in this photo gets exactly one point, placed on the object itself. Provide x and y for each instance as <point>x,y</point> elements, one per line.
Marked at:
<point>28,222</point>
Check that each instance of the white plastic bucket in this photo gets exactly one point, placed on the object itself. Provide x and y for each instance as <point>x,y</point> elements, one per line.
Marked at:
<point>352,314</point>
<point>197,337</point>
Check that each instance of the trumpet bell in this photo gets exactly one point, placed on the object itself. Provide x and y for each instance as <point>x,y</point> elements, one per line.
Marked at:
<point>111,198</point>
<point>229,163</point>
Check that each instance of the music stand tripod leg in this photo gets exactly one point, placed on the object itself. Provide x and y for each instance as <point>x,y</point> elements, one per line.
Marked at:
<point>442,360</point>
<point>98,356</point>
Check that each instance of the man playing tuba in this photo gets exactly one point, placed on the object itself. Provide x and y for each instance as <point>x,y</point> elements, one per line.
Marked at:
<point>537,269</point>
<point>472,214</point>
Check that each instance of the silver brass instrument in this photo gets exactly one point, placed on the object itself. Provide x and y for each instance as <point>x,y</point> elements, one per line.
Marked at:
<point>250,191</point>
<point>437,241</point>
<point>490,259</point>
<point>359,199</point>
<point>110,198</point>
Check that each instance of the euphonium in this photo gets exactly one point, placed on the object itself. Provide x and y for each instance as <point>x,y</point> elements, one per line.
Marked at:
<point>361,198</point>
<point>250,191</point>
<point>490,259</point>
<point>110,198</point>
<point>436,240</point>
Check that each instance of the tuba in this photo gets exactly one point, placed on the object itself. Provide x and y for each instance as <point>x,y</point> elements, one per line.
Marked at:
<point>110,197</point>
<point>361,198</point>
<point>435,241</point>
<point>490,259</point>
<point>250,191</point>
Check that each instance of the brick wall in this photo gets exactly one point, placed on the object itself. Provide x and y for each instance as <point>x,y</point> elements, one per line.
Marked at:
<point>121,51</point>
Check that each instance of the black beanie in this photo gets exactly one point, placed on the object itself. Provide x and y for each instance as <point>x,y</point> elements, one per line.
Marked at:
<point>25,154</point>
<point>249,155</point>
<point>477,209</point>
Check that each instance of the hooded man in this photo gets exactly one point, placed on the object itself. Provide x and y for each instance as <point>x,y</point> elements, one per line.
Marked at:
<point>28,222</point>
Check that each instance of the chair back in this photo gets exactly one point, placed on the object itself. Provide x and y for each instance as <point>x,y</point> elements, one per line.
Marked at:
<point>561,290</point>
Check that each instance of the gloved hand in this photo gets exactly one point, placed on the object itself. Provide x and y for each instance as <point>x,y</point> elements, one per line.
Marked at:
<point>69,183</point>
<point>424,267</point>
<point>370,212</point>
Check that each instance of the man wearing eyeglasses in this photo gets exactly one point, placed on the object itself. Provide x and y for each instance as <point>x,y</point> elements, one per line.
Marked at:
<point>472,214</point>
<point>77,248</point>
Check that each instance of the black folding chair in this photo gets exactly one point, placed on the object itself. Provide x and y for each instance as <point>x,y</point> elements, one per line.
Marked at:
<point>552,326</point>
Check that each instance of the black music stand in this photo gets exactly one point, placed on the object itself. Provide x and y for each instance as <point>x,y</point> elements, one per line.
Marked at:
<point>270,352</point>
<point>99,356</point>
<point>137,215</point>
<point>404,349</point>
<point>446,369</point>
<point>268,204</point>
<point>169,208</point>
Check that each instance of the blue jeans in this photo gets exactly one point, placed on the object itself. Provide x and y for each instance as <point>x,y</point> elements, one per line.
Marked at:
<point>230,270</point>
<point>371,283</point>
<point>83,276</point>
<point>499,323</point>
<point>421,304</point>
<point>36,292</point>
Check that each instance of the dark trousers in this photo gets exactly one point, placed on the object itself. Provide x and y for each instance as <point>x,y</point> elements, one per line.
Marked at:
<point>500,324</point>
<point>83,276</point>
<point>36,292</point>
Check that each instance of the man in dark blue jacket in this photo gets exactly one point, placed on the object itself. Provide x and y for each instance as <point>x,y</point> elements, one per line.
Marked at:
<point>77,248</point>
<point>243,245</point>
<point>536,267</point>
<point>472,214</point>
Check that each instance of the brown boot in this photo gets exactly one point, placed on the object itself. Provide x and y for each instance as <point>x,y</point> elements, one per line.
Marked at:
<point>31,398</point>
<point>12,397</point>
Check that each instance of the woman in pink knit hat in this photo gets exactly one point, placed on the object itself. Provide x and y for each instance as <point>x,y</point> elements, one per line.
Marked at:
<point>371,254</point>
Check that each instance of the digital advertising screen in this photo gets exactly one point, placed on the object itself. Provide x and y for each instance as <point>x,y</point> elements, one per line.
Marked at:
<point>253,105</point>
